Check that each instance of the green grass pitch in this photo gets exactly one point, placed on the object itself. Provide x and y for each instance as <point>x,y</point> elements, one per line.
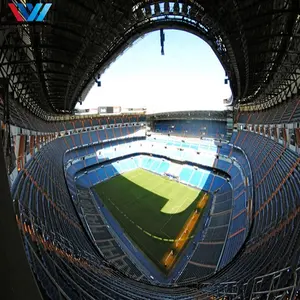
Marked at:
<point>149,207</point>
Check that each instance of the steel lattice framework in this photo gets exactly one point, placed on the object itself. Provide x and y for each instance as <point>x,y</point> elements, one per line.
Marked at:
<point>52,65</point>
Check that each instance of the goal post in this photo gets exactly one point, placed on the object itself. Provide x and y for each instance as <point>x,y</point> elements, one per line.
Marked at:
<point>171,176</point>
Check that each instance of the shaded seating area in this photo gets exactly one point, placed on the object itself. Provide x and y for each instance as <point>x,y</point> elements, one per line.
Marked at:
<point>191,128</point>
<point>285,113</point>
<point>276,210</point>
<point>208,252</point>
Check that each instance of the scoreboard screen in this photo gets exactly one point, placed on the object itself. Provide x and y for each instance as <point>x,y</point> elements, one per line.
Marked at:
<point>109,109</point>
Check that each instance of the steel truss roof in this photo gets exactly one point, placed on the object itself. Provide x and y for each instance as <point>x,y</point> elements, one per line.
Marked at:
<point>52,65</point>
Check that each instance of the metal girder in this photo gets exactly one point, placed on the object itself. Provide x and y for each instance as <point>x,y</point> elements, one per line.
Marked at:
<point>281,77</point>
<point>275,57</point>
<point>21,92</point>
<point>40,46</point>
<point>25,62</point>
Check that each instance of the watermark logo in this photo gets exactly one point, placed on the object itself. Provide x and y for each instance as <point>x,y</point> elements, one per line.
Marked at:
<point>29,13</point>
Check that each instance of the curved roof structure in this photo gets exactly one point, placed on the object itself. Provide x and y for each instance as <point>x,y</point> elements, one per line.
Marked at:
<point>52,65</point>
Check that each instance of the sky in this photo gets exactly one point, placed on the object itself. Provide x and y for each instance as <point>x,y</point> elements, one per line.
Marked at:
<point>188,77</point>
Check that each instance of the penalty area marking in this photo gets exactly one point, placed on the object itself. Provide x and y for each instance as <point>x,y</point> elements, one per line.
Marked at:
<point>178,207</point>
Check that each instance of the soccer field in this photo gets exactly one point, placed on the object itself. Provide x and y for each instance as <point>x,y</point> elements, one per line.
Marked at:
<point>150,208</point>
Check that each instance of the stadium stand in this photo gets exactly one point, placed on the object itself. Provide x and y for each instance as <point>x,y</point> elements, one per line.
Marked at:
<point>92,151</point>
<point>79,158</point>
<point>246,157</point>
<point>207,254</point>
<point>227,226</point>
<point>286,113</point>
<point>192,128</point>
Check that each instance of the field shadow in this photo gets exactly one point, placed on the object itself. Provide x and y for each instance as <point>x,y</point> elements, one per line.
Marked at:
<point>142,207</point>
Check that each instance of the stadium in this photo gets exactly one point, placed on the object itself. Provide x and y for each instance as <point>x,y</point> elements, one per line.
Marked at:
<point>131,204</point>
